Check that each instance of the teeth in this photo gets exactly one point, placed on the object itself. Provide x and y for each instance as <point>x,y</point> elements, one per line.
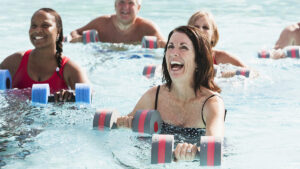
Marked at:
<point>176,63</point>
<point>38,37</point>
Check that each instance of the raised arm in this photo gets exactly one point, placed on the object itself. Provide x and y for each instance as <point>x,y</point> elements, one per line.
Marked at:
<point>77,34</point>
<point>151,29</point>
<point>225,57</point>
<point>287,36</point>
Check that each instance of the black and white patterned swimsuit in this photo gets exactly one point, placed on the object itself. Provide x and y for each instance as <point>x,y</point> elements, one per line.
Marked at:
<point>182,134</point>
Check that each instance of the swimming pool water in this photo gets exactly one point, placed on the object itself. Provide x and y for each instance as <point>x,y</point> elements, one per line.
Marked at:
<point>263,120</point>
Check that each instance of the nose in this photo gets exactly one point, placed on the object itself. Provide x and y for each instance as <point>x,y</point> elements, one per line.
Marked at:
<point>37,29</point>
<point>174,52</point>
<point>125,5</point>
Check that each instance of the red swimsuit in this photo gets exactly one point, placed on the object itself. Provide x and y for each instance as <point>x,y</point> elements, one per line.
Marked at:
<point>22,80</point>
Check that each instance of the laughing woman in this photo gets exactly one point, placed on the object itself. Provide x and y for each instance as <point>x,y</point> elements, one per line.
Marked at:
<point>189,101</point>
<point>45,63</point>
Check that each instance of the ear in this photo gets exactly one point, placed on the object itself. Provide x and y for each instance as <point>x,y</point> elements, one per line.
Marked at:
<point>139,7</point>
<point>115,4</point>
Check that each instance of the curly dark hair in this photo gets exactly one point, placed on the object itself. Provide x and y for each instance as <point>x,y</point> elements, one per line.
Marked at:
<point>204,72</point>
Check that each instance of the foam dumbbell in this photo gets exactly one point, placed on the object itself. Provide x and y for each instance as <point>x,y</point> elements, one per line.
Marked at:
<point>149,71</point>
<point>264,54</point>
<point>152,71</point>
<point>243,72</point>
<point>5,79</point>
<point>40,94</point>
<point>210,150</point>
<point>90,36</point>
<point>144,121</point>
<point>149,42</point>
<point>292,51</point>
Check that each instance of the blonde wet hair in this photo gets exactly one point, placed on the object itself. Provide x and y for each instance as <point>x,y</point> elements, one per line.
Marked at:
<point>139,2</point>
<point>199,14</point>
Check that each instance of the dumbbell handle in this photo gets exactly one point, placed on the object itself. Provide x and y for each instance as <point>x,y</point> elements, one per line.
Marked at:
<point>197,156</point>
<point>51,98</point>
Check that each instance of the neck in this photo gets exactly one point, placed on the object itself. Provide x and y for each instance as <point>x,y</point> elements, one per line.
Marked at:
<point>43,54</point>
<point>122,26</point>
<point>183,92</point>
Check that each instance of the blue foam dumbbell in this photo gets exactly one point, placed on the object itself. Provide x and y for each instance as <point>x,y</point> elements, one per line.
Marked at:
<point>5,79</point>
<point>41,94</point>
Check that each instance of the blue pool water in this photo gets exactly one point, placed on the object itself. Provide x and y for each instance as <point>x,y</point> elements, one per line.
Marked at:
<point>263,121</point>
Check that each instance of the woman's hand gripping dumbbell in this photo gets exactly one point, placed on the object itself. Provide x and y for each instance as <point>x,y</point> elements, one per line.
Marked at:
<point>144,121</point>
<point>210,153</point>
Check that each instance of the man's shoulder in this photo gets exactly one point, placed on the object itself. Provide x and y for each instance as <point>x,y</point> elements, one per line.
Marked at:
<point>144,22</point>
<point>105,18</point>
<point>293,28</point>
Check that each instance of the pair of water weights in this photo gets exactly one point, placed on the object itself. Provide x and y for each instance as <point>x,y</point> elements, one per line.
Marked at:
<point>210,153</point>
<point>289,51</point>
<point>144,121</point>
<point>92,35</point>
<point>150,122</point>
<point>40,94</point>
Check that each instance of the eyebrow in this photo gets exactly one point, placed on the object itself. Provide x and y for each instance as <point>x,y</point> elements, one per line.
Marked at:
<point>181,43</point>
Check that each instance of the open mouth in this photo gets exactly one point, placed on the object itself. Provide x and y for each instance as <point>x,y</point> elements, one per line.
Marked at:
<point>175,65</point>
<point>124,13</point>
<point>38,37</point>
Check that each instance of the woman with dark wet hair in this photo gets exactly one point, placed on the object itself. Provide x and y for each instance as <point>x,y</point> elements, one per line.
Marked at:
<point>189,102</point>
<point>46,62</point>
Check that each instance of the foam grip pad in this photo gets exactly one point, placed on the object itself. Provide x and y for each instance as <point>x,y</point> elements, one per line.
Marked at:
<point>40,93</point>
<point>210,151</point>
<point>162,149</point>
<point>147,121</point>
<point>243,72</point>
<point>264,54</point>
<point>5,79</point>
<point>83,93</point>
<point>105,119</point>
<point>149,71</point>
<point>149,42</point>
<point>90,36</point>
<point>293,52</point>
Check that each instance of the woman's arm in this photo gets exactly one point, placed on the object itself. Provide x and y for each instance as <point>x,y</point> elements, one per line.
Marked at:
<point>225,57</point>
<point>12,63</point>
<point>214,113</point>
<point>74,74</point>
<point>287,37</point>
<point>145,102</point>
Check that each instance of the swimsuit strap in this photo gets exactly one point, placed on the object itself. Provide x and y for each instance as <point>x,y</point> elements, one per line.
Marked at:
<point>156,97</point>
<point>203,108</point>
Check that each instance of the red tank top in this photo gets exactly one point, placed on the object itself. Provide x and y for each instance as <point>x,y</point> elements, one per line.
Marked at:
<point>22,80</point>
